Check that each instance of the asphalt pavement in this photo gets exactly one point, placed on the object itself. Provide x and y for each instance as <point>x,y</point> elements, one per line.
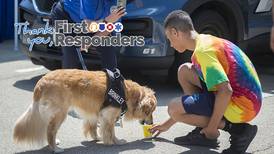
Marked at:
<point>18,77</point>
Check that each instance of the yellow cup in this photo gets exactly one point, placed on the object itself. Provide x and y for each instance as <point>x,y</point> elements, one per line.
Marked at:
<point>147,133</point>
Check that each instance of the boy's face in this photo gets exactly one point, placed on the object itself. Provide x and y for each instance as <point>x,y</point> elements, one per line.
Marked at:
<point>177,39</point>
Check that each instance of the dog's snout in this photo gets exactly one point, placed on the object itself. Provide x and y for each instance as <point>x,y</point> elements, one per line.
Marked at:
<point>144,122</point>
<point>147,121</point>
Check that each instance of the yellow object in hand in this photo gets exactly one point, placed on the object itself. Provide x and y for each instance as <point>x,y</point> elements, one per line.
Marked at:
<point>147,133</point>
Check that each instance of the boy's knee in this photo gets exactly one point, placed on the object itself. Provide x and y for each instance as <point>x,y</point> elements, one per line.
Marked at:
<point>171,109</point>
<point>184,70</point>
<point>175,107</point>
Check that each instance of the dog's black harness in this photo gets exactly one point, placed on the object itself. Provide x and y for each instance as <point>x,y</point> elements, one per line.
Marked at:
<point>115,94</point>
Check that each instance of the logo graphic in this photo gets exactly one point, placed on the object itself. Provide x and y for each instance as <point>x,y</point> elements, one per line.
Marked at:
<point>102,27</point>
<point>33,36</point>
<point>93,27</point>
<point>118,27</point>
<point>110,27</point>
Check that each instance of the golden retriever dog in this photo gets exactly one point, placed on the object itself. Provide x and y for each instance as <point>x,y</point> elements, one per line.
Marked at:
<point>84,91</point>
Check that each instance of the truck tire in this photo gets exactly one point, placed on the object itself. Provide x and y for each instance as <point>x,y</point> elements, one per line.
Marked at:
<point>205,22</point>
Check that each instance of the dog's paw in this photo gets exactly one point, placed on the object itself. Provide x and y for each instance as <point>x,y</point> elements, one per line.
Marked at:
<point>95,137</point>
<point>120,142</point>
<point>58,150</point>
<point>99,138</point>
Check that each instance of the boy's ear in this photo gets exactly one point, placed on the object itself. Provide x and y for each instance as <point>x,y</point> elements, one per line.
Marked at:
<point>173,31</point>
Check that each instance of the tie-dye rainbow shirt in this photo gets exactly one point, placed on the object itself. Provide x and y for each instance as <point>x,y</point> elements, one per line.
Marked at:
<point>217,60</point>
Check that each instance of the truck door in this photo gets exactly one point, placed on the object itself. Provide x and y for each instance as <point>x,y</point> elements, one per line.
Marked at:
<point>259,17</point>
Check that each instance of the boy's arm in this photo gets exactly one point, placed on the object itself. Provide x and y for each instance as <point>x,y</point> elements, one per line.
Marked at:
<point>223,96</point>
<point>170,122</point>
<point>162,127</point>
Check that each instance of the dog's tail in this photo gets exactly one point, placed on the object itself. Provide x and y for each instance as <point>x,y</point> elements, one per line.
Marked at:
<point>31,127</point>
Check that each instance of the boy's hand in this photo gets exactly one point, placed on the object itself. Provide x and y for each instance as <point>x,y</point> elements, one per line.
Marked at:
<point>158,129</point>
<point>210,133</point>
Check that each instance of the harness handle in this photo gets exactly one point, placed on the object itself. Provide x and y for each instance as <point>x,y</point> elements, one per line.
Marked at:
<point>80,56</point>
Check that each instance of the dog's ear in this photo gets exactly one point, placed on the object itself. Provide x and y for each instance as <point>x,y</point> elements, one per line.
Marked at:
<point>146,106</point>
<point>136,95</point>
<point>150,101</point>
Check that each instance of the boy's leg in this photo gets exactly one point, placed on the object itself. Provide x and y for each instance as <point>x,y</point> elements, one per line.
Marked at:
<point>109,57</point>
<point>70,59</point>
<point>241,134</point>
<point>188,79</point>
<point>178,113</point>
<point>191,84</point>
<point>197,115</point>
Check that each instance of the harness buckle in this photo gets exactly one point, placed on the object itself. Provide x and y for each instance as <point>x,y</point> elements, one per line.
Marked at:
<point>117,73</point>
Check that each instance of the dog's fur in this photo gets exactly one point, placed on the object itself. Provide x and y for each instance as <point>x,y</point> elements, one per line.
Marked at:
<point>60,90</point>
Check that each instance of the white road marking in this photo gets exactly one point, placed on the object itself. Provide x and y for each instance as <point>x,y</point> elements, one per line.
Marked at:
<point>267,95</point>
<point>27,70</point>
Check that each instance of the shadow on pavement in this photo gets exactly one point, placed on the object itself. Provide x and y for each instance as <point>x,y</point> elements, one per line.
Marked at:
<point>192,149</point>
<point>199,149</point>
<point>93,147</point>
<point>27,84</point>
<point>44,150</point>
<point>202,150</point>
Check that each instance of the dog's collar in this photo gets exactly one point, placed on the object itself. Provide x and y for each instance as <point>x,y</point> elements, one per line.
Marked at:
<point>124,110</point>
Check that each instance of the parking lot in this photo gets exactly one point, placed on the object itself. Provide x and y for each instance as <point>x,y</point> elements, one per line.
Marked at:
<point>18,76</point>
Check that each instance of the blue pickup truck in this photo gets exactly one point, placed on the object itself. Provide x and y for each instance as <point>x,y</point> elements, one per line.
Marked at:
<point>244,22</point>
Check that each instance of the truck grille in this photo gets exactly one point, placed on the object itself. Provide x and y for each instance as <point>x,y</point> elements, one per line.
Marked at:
<point>138,27</point>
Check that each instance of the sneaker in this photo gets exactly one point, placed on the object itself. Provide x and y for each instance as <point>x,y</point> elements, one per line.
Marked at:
<point>196,138</point>
<point>240,143</point>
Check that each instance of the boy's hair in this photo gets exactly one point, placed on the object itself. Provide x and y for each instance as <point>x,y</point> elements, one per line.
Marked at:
<point>180,20</point>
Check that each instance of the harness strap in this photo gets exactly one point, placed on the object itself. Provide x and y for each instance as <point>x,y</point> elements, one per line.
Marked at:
<point>115,94</point>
